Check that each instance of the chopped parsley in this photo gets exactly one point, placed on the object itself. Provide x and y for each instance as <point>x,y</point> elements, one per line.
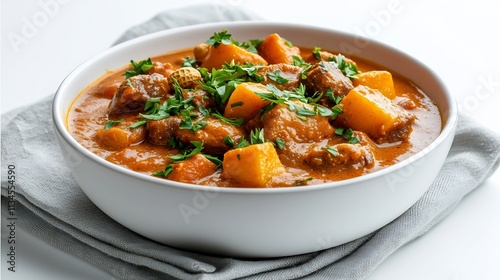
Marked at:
<point>277,96</point>
<point>189,62</point>
<point>332,150</point>
<point>280,143</point>
<point>231,121</point>
<point>186,154</point>
<point>220,83</point>
<point>236,104</point>
<point>276,76</point>
<point>257,136</point>
<point>226,39</point>
<point>348,69</point>
<point>316,53</point>
<point>220,38</point>
<point>301,182</point>
<point>112,123</point>
<point>138,68</point>
<point>348,134</point>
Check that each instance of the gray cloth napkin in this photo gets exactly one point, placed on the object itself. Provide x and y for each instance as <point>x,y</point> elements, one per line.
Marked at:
<point>50,204</point>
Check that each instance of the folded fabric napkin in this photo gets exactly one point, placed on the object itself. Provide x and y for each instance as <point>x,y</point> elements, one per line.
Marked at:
<point>50,204</point>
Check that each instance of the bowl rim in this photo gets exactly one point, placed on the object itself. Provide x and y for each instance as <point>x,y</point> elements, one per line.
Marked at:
<point>59,114</point>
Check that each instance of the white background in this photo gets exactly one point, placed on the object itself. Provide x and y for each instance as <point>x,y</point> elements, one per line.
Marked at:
<point>43,40</point>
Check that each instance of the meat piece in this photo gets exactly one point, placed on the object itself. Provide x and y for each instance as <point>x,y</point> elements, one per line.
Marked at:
<point>200,97</point>
<point>212,135</point>
<point>323,76</point>
<point>323,55</point>
<point>164,69</point>
<point>275,73</point>
<point>133,93</point>
<point>161,131</point>
<point>282,123</point>
<point>340,156</point>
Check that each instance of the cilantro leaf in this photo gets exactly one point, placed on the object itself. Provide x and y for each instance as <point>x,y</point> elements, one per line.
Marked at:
<point>112,123</point>
<point>138,68</point>
<point>220,38</point>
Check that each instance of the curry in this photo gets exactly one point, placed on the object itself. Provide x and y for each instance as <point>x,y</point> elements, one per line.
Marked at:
<point>263,113</point>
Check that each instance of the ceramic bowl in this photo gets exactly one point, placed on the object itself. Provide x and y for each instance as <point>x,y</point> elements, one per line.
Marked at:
<point>254,222</point>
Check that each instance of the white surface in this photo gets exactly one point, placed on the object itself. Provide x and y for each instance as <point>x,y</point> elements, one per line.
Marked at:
<point>457,39</point>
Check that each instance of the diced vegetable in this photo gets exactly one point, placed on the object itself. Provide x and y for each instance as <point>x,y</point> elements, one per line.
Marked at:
<point>221,54</point>
<point>275,49</point>
<point>113,139</point>
<point>252,166</point>
<point>380,80</point>
<point>368,110</point>
<point>244,103</point>
<point>192,169</point>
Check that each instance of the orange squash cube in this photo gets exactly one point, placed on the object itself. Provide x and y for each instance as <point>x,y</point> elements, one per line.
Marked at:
<point>380,80</point>
<point>367,110</point>
<point>192,169</point>
<point>253,166</point>
<point>274,49</point>
<point>221,54</point>
<point>244,102</point>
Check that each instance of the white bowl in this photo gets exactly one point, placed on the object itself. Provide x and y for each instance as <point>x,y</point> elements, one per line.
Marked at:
<point>254,222</point>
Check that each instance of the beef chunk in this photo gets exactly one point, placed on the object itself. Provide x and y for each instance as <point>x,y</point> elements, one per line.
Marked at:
<point>323,76</point>
<point>133,93</point>
<point>212,135</point>
<point>346,156</point>
<point>291,73</point>
<point>200,97</point>
<point>161,131</point>
<point>164,69</point>
<point>282,123</point>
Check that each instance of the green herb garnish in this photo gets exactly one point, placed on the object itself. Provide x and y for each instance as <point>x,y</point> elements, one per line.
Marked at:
<point>276,76</point>
<point>348,69</point>
<point>332,150</point>
<point>112,123</point>
<point>138,68</point>
<point>220,38</point>
<point>348,134</point>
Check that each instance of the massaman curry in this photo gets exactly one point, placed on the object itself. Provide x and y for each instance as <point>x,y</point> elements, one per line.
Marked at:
<point>263,113</point>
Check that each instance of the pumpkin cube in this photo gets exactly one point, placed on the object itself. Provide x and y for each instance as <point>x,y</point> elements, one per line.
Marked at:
<point>192,169</point>
<point>221,54</point>
<point>380,80</point>
<point>244,102</point>
<point>252,166</point>
<point>274,49</point>
<point>367,110</point>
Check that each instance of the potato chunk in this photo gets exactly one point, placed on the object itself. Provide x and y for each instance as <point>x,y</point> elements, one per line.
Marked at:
<point>252,166</point>
<point>274,49</point>
<point>221,54</point>
<point>380,80</point>
<point>244,103</point>
<point>369,111</point>
<point>192,169</point>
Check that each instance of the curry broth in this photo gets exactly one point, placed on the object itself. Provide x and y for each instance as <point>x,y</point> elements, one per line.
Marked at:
<point>88,114</point>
